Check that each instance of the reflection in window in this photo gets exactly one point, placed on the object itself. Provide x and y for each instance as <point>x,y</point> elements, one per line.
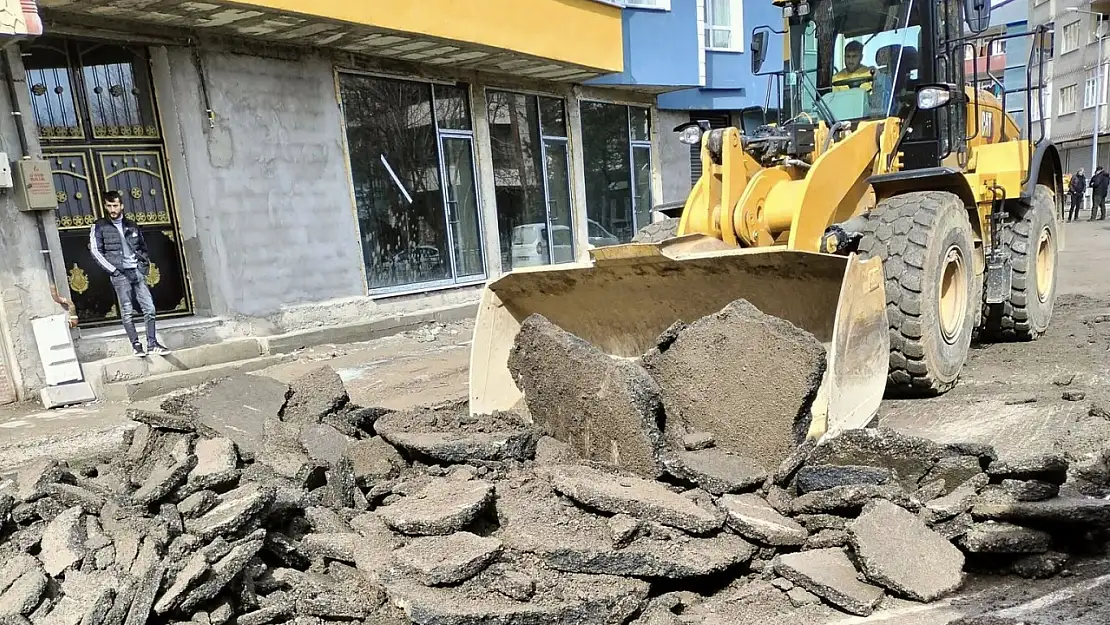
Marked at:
<point>532,178</point>
<point>411,233</point>
<point>52,93</point>
<point>119,96</point>
<point>617,159</point>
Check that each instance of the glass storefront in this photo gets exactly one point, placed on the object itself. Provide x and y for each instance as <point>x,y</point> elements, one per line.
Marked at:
<point>415,181</point>
<point>616,140</point>
<point>532,176</point>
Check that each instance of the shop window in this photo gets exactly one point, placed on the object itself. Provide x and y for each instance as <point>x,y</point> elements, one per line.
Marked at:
<point>414,182</point>
<point>531,172</point>
<point>616,142</point>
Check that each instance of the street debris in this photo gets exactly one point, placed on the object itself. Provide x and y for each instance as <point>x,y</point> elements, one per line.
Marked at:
<point>306,509</point>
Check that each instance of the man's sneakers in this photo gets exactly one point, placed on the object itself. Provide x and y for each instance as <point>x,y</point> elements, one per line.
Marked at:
<point>155,349</point>
<point>158,350</point>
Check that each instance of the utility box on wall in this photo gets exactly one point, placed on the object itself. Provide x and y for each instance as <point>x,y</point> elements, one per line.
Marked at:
<point>35,184</point>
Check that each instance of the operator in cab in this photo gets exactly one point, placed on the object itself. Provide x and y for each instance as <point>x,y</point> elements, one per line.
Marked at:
<point>855,75</point>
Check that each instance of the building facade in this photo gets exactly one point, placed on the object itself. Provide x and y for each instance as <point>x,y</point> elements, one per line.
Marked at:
<point>1077,52</point>
<point>296,165</point>
<point>996,60</point>
<point>694,54</point>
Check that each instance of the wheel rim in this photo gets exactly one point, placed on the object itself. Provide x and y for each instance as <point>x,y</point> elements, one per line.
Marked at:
<point>953,294</point>
<point>1046,264</point>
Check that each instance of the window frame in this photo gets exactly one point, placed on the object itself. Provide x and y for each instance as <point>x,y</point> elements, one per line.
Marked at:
<point>998,47</point>
<point>633,144</point>
<point>1064,32</point>
<point>1072,90</point>
<point>455,281</point>
<point>544,138</point>
<point>735,28</point>
<point>1091,83</point>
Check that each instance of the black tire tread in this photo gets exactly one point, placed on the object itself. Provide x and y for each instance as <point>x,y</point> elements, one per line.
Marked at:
<point>897,231</point>
<point>1009,321</point>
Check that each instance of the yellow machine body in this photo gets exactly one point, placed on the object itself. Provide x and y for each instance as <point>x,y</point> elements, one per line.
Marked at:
<point>754,232</point>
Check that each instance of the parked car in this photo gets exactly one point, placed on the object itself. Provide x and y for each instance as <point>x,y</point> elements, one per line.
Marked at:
<point>530,245</point>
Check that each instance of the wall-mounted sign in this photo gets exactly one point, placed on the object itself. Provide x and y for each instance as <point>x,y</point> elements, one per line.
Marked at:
<point>36,184</point>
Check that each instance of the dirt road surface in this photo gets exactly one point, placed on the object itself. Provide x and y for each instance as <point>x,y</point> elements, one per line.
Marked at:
<point>1011,395</point>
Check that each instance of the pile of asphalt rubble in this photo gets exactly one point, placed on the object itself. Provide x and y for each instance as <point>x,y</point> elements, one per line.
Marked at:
<point>629,492</point>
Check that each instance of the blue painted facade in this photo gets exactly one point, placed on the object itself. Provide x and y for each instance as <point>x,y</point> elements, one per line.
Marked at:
<point>661,48</point>
<point>665,49</point>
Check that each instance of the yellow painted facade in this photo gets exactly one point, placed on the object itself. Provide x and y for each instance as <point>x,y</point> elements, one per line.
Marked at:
<point>580,32</point>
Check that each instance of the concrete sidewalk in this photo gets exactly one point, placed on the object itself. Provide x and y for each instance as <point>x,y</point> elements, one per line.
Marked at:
<point>425,366</point>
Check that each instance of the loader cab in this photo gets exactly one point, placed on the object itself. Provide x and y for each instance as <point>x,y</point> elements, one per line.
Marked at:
<point>853,60</point>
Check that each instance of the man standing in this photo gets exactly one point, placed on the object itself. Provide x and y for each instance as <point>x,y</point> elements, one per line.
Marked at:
<point>1076,189</point>
<point>1100,183</point>
<point>118,246</point>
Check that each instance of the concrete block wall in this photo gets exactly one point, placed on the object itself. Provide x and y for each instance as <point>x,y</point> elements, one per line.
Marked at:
<point>268,183</point>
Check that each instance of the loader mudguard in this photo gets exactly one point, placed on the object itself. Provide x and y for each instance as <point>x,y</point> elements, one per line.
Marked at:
<point>1045,168</point>
<point>927,179</point>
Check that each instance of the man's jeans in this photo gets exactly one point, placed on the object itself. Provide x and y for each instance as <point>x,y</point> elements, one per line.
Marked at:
<point>1076,205</point>
<point>1099,202</point>
<point>132,283</point>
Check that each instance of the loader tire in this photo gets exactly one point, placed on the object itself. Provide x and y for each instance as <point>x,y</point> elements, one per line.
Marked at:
<point>925,242</point>
<point>1031,242</point>
<point>657,232</point>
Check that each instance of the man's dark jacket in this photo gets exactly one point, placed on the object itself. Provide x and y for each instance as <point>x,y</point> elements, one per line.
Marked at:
<point>1100,183</point>
<point>109,246</point>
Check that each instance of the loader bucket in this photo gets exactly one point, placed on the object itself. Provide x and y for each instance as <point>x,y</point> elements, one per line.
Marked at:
<point>628,295</point>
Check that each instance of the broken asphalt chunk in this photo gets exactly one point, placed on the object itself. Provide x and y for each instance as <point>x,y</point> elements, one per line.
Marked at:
<point>1004,538</point>
<point>1050,468</point>
<point>812,477</point>
<point>234,508</point>
<point>454,437</point>
<point>850,499</point>
<point>443,560</point>
<point>754,519</point>
<point>637,497</point>
<point>1060,511</point>
<point>718,472</point>
<point>896,550</point>
<point>829,574</point>
<point>739,337</point>
<point>441,508</point>
<point>608,410</point>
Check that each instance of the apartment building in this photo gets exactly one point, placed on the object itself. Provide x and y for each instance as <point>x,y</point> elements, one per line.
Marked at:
<point>1076,71</point>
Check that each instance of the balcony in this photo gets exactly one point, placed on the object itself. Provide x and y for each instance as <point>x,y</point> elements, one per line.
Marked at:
<point>503,36</point>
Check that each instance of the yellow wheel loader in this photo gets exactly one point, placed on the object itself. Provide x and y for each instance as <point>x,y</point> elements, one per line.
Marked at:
<point>894,213</point>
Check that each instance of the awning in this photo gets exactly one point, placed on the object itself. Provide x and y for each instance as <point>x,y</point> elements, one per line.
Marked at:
<point>566,40</point>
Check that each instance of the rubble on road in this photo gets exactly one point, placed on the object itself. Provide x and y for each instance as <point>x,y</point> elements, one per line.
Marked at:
<point>252,502</point>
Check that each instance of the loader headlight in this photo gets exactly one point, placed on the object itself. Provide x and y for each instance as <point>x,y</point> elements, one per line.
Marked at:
<point>690,133</point>
<point>931,97</point>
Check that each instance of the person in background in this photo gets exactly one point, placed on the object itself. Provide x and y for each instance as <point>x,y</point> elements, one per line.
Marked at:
<point>118,246</point>
<point>1100,183</point>
<point>1075,189</point>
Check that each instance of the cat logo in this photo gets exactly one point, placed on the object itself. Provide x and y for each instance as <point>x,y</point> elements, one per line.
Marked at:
<point>986,126</point>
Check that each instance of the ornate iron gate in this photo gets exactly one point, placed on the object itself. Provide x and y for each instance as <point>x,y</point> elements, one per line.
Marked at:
<point>94,105</point>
